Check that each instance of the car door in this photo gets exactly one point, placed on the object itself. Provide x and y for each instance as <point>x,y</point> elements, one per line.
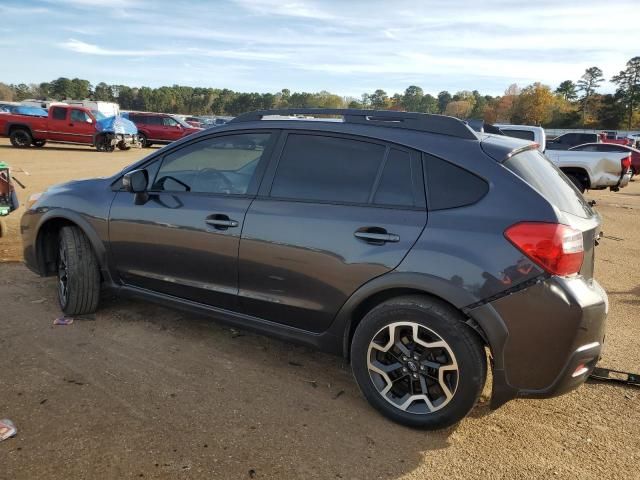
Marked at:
<point>59,124</point>
<point>81,126</point>
<point>155,128</point>
<point>183,240</point>
<point>333,213</point>
<point>171,129</point>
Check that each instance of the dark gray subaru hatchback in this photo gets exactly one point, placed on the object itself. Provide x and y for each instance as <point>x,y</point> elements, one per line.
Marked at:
<point>406,242</point>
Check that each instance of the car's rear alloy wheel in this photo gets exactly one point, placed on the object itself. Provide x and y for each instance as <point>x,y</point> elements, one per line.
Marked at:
<point>412,367</point>
<point>142,138</point>
<point>417,362</point>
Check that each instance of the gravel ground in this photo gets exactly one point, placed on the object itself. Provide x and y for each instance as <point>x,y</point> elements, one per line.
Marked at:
<point>140,391</point>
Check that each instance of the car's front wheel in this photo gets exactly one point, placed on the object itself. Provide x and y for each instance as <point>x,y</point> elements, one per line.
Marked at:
<point>418,363</point>
<point>78,273</point>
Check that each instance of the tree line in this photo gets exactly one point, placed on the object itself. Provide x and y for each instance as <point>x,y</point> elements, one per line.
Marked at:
<point>573,104</point>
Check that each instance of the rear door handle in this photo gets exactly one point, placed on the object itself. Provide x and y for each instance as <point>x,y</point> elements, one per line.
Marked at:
<point>220,221</point>
<point>376,235</point>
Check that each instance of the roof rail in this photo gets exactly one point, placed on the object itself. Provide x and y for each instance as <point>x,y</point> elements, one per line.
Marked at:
<point>384,118</point>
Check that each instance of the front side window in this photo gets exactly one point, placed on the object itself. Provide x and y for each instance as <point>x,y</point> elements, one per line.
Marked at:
<point>169,122</point>
<point>79,116</point>
<point>330,169</point>
<point>59,113</point>
<point>216,165</point>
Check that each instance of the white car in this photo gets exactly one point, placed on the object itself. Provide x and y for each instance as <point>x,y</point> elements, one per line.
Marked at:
<point>525,132</point>
<point>593,170</point>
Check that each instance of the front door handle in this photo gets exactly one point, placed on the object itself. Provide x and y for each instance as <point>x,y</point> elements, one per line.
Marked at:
<point>220,221</point>
<point>376,235</point>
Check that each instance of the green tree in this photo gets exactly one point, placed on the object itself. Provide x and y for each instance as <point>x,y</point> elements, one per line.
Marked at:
<point>429,104</point>
<point>378,99</point>
<point>6,92</point>
<point>62,88</point>
<point>628,81</point>
<point>567,90</point>
<point>444,98</point>
<point>412,99</point>
<point>588,84</point>
<point>103,92</point>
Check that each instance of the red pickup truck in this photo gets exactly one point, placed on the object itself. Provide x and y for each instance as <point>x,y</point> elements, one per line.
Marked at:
<point>64,124</point>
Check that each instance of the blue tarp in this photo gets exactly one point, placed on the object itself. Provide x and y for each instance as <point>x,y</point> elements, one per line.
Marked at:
<point>117,124</point>
<point>32,111</point>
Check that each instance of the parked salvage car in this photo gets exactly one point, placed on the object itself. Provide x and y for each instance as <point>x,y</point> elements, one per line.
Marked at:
<point>316,231</point>
<point>64,124</point>
<point>609,147</point>
<point>594,170</point>
<point>159,127</point>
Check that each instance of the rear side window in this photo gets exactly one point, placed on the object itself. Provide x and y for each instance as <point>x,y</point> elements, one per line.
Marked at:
<point>395,187</point>
<point>330,169</point>
<point>535,169</point>
<point>523,134</point>
<point>59,113</point>
<point>449,186</point>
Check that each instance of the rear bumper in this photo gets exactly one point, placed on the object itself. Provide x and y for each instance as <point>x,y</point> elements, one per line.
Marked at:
<point>624,180</point>
<point>545,339</point>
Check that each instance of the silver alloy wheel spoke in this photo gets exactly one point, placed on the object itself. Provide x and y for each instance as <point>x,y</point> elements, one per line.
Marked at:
<point>403,366</point>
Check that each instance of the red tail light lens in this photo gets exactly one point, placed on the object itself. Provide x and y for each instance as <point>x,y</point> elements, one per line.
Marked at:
<point>556,248</point>
<point>626,163</point>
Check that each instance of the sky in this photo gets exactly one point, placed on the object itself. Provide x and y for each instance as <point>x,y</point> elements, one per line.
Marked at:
<point>345,47</point>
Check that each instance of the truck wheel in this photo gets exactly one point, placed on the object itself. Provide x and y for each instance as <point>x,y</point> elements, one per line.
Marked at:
<point>577,182</point>
<point>142,138</point>
<point>21,138</point>
<point>124,146</point>
<point>78,273</point>
<point>39,143</point>
<point>418,363</point>
<point>103,144</point>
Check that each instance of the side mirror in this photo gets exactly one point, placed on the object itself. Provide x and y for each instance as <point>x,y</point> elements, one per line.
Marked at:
<point>136,181</point>
<point>89,120</point>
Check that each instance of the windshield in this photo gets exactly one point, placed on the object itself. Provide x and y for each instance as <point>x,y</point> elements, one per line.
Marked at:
<point>98,115</point>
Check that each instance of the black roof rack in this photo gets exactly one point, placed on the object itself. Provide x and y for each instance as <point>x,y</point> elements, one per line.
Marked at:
<point>384,118</point>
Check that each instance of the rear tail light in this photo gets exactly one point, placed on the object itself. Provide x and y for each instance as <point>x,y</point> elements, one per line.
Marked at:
<point>626,163</point>
<point>556,248</point>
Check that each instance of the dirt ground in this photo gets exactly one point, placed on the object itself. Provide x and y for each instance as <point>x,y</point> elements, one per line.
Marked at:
<point>140,391</point>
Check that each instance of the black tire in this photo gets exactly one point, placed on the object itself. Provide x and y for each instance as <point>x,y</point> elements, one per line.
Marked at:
<point>39,143</point>
<point>577,182</point>
<point>103,144</point>
<point>21,138</point>
<point>142,138</point>
<point>124,146</point>
<point>78,273</point>
<point>439,320</point>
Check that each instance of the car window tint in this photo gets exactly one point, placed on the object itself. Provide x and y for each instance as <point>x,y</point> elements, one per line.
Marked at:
<point>450,186</point>
<point>523,134</point>
<point>59,113</point>
<point>79,116</point>
<point>314,167</point>
<point>539,172</point>
<point>396,186</point>
<point>215,165</point>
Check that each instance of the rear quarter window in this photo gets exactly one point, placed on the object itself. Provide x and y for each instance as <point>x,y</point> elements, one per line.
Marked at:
<point>450,186</point>
<point>538,171</point>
